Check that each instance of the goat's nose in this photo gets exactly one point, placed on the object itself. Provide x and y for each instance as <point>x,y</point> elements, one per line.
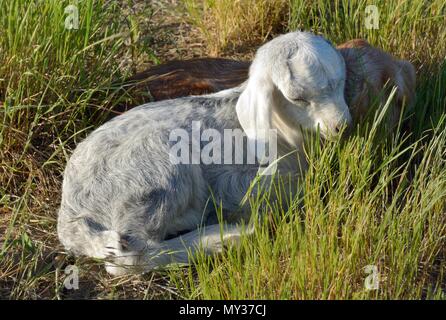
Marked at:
<point>343,127</point>
<point>347,122</point>
<point>339,129</point>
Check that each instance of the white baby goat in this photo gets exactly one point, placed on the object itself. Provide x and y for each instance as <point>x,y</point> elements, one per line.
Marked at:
<point>125,201</point>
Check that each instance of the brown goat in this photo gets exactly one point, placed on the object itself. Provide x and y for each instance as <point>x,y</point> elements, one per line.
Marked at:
<point>369,70</point>
<point>191,77</point>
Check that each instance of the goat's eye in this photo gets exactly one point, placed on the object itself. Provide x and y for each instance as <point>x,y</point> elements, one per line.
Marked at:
<point>300,100</point>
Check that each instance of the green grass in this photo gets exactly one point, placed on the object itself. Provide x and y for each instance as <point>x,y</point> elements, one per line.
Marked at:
<point>56,85</point>
<point>365,201</point>
<point>377,198</point>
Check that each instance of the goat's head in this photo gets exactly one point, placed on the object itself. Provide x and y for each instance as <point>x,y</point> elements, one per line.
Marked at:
<point>298,79</point>
<point>371,73</point>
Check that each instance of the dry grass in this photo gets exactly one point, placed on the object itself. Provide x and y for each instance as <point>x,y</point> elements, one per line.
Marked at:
<point>227,24</point>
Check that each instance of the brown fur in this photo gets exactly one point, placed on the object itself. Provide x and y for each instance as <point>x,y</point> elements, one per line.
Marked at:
<point>369,69</point>
<point>371,73</point>
<point>192,77</point>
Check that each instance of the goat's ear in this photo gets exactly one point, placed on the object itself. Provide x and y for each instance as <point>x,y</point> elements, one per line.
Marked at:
<point>254,108</point>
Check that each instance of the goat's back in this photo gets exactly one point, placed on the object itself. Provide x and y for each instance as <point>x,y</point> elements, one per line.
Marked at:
<point>190,77</point>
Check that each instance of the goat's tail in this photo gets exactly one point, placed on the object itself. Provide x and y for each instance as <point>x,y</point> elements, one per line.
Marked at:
<point>122,259</point>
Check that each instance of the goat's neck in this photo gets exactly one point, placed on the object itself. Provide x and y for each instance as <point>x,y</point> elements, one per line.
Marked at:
<point>289,137</point>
